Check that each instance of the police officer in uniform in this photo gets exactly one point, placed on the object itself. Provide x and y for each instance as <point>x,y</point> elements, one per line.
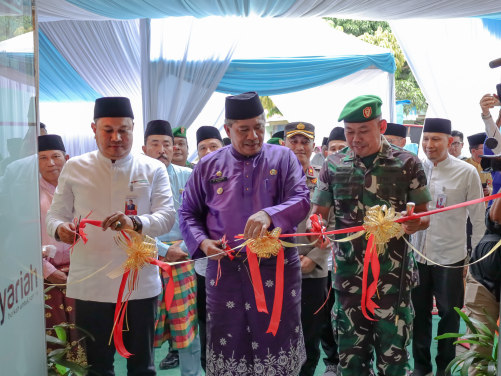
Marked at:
<point>299,137</point>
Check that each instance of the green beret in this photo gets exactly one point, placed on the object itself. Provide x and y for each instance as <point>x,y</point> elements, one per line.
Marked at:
<point>361,109</point>
<point>179,132</point>
<point>276,141</point>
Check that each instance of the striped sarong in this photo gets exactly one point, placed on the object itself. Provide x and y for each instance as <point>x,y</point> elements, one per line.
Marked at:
<point>179,324</point>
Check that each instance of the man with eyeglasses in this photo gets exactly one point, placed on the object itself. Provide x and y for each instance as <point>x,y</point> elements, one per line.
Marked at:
<point>457,144</point>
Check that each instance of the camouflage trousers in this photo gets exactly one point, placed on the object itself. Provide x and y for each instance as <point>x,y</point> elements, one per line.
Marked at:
<point>358,338</point>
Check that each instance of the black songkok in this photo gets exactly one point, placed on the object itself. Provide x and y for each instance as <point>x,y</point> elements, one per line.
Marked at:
<point>161,127</point>
<point>337,134</point>
<point>113,107</point>
<point>206,131</point>
<point>476,139</point>
<point>50,142</point>
<point>398,130</point>
<point>243,106</point>
<point>437,125</point>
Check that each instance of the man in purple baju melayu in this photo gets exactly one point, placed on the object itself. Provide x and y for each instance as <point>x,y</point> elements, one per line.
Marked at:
<point>248,188</point>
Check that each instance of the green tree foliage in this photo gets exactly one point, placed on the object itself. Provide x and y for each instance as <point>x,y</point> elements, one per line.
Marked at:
<point>11,26</point>
<point>379,33</point>
<point>270,107</point>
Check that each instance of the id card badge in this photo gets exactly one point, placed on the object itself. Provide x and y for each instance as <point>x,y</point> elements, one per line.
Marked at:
<point>130,206</point>
<point>441,200</point>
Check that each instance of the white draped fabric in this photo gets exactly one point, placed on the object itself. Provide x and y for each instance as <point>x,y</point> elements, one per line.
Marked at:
<point>106,54</point>
<point>75,131</point>
<point>57,10</point>
<point>391,9</point>
<point>367,9</point>
<point>449,59</point>
<point>188,58</point>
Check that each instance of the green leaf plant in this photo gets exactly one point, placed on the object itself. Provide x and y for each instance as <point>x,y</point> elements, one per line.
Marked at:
<point>57,362</point>
<point>478,334</point>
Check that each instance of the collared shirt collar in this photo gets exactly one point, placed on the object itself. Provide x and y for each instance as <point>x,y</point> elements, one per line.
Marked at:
<point>118,162</point>
<point>443,163</point>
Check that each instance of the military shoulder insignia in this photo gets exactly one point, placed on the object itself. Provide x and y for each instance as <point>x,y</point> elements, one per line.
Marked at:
<point>300,126</point>
<point>273,172</point>
<point>367,112</point>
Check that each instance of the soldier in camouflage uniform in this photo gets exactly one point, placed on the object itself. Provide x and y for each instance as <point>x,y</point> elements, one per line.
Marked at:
<point>371,172</point>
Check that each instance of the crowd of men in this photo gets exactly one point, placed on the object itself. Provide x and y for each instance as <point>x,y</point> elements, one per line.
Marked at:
<point>219,316</point>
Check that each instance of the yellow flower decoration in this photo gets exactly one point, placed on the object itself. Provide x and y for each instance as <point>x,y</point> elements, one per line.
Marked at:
<point>380,222</point>
<point>139,249</point>
<point>268,245</point>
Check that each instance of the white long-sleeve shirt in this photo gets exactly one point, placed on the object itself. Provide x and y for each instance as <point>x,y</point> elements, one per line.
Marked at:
<point>91,182</point>
<point>492,130</point>
<point>451,182</point>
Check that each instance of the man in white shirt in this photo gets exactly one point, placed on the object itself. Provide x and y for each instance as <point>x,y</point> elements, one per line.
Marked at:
<point>450,181</point>
<point>102,183</point>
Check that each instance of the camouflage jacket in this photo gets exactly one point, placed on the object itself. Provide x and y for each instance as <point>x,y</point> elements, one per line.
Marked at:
<point>395,178</point>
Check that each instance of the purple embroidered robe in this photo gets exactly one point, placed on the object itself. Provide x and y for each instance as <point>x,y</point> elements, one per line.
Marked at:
<point>224,190</point>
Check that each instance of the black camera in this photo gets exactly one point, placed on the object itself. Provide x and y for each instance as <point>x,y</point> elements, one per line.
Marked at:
<point>491,163</point>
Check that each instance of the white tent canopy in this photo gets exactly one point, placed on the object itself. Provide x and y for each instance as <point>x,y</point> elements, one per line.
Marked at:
<point>50,10</point>
<point>320,105</point>
<point>449,59</point>
<point>452,89</point>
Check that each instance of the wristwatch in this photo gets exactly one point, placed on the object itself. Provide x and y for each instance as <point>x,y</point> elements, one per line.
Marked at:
<point>136,222</point>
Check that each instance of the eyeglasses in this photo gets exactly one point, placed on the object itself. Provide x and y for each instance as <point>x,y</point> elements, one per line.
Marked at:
<point>456,144</point>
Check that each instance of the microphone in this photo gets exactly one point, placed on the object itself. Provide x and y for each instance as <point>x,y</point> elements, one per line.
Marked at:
<point>495,63</point>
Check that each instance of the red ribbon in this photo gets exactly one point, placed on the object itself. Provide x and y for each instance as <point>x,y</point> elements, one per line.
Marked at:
<point>79,233</point>
<point>121,307</point>
<point>257,282</point>
<point>169,289</point>
<point>370,258</point>
<point>120,310</point>
<point>279,294</point>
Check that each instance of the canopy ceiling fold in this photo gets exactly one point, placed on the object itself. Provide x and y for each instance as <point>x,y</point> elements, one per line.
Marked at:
<point>50,10</point>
